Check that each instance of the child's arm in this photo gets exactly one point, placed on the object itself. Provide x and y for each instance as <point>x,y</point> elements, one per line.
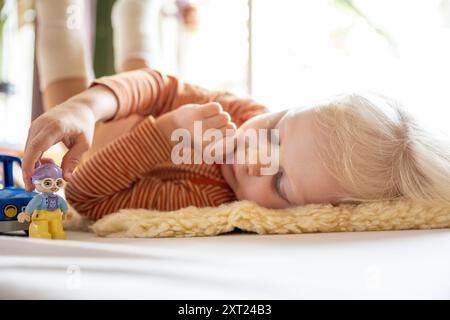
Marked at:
<point>71,122</point>
<point>120,174</point>
<point>142,91</point>
<point>149,92</point>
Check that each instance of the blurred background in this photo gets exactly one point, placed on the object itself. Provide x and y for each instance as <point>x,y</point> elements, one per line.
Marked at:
<point>283,53</point>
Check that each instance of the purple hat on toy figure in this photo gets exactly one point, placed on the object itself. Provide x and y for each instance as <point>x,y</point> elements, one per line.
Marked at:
<point>47,170</point>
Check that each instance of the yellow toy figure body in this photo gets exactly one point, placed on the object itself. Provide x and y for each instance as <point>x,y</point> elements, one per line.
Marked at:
<point>47,210</point>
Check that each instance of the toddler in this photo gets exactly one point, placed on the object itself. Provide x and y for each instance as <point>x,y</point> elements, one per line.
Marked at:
<point>352,148</point>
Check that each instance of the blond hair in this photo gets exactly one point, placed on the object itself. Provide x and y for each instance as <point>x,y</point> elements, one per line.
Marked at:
<point>376,151</point>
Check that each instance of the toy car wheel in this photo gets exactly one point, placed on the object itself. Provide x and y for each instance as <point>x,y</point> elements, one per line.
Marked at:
<point>27,233</point>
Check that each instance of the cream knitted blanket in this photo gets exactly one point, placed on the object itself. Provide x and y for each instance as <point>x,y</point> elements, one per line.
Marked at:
<point>247,216</point>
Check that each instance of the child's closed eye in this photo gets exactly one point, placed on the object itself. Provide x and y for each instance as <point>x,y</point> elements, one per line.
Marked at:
<point>277,181</point>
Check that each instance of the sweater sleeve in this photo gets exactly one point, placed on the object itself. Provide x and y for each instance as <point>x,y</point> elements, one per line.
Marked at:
<point>149,92</point>
<point>143,91</point>
<point>117,177</point>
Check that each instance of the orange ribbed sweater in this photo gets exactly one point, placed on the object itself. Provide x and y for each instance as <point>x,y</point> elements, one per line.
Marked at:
<point>135,170</point>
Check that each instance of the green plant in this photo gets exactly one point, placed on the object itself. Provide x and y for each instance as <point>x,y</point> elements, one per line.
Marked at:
<point>104,53</point>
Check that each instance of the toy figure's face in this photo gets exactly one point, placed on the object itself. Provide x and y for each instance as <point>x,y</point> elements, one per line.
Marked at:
<point>49,185</point>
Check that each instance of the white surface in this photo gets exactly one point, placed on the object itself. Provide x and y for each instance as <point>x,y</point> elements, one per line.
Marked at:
<point>395,264</point>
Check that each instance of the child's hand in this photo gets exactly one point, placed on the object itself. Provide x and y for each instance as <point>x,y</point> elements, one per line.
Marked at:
<point>71,123</point>
<point>210,114</point>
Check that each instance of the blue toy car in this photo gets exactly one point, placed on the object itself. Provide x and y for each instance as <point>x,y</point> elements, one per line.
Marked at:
<point>12,200</point>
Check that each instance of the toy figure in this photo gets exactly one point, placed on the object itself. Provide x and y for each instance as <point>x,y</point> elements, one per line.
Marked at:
<point>47,210</point>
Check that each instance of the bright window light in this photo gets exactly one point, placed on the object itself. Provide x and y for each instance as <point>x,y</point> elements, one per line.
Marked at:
<point>303,50</point>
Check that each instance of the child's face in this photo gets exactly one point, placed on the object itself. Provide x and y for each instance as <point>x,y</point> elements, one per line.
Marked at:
<point>302,177</point>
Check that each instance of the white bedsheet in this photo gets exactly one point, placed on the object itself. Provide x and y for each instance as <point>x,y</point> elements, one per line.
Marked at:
<point>395,264</point>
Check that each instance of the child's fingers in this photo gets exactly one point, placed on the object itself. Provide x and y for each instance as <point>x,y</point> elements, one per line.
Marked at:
<point>226,144</point>
<point>225,131</point>
<point>228,130</point>
<point>232,126</point>
<point>28,163</point>
<point>210,109</point>
<point>72,158</point>
<point>46,160</point>
<point>217,121</point>
<point>34,149</point>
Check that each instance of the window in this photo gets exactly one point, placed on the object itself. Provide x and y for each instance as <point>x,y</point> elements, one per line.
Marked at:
<point>284,53</point>
<point>302,49</point>
<point>216,55</point>
<point>16,68</point>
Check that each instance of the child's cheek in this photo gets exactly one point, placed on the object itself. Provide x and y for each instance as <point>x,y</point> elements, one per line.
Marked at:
<point>256,193</point>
